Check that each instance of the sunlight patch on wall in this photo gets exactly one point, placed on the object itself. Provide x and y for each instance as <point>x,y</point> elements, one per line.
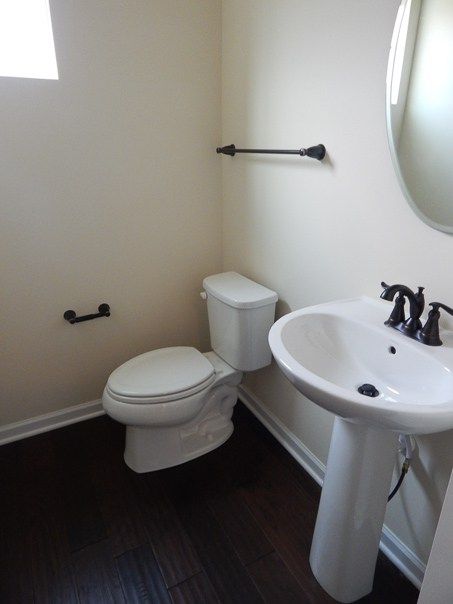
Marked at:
<point>27,47</point>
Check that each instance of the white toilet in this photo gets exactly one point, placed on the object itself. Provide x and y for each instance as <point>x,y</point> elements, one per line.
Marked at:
<point>176,402</point>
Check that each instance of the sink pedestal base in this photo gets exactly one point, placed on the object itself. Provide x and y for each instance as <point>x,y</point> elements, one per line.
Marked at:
<point>352,507</point>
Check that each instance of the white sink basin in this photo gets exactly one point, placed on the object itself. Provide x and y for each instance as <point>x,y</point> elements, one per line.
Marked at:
<point>328,351</point>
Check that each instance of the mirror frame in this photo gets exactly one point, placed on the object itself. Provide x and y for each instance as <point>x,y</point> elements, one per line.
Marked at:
<point>395,161</point>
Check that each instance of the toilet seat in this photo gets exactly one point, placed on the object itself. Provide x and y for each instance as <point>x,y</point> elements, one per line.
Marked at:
<point>161,375</point>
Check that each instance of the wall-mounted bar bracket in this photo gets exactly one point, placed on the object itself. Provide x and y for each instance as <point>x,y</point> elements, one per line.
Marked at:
<point>316,152</point>
<point>71,316</point>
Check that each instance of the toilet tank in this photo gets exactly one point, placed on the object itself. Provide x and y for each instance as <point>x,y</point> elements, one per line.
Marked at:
<point>240,313</point>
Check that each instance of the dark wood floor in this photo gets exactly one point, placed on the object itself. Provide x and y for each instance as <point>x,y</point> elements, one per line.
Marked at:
<point>233,526</point>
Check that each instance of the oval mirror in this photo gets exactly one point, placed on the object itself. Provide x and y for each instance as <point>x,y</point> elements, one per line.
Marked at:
<point>420,108</point>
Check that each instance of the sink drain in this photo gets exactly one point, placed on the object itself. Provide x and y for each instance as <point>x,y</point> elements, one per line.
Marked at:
<point>368,390</point>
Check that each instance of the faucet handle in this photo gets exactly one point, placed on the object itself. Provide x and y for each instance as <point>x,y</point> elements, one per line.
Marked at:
<point>397,316</point>
<point>437,305</point>
<point>429,334</point>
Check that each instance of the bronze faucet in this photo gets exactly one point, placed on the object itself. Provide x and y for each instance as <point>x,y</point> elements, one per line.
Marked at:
<point>412,327</point>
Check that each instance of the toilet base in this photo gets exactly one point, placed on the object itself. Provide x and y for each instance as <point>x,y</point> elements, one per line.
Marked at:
<point>142,455</point>
<point>154,448</point>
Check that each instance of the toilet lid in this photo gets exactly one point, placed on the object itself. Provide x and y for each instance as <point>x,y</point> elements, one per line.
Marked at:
<point>161,373</point>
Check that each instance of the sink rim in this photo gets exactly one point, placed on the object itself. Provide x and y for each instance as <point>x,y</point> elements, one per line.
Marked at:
<point>349,404</point>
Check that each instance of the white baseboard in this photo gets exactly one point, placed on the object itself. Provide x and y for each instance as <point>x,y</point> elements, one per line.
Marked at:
<point>401,556</point>
<point>50,421</point>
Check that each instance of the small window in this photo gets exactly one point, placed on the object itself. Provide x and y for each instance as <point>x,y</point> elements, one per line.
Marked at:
<point>27,47</point>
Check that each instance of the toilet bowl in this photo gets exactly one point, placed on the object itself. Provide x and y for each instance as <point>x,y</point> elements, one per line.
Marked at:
<point>169,429</point>
<point>177,402</point>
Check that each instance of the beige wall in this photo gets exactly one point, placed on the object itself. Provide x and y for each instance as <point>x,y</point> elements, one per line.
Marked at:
<point>109,192</point>
<point>295,73</point>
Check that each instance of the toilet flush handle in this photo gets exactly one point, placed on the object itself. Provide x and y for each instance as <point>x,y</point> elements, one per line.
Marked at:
<point>203,295</point>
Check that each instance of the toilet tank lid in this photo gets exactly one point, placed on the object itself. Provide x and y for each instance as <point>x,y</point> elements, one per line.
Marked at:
<point>238,291</point>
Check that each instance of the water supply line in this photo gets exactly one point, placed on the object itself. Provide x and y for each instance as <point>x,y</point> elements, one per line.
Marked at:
<point>406,448</point>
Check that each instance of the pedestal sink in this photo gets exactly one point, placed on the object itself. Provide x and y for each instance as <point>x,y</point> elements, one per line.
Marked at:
<point>328,352</point>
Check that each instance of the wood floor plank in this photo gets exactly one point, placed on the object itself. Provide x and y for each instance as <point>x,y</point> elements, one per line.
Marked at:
<point>233,514</point>
<point>234,525</point>
<point>276,583</point>
<point>52,574</point>
<point>109,473</point>
<point>123,521</point>
<point>283,513</point>
<point>390,586</point>
<point>16,584</point>
<point>83,518</point>
<point>84,522</point>
<point>171,544</point>
<point>119,506</point>
<point>96,575</point>
<point>41,523</point>
<point>196,590</point>
<point>113,488</point>
<point>220,562</point>
<point>141,578</point>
